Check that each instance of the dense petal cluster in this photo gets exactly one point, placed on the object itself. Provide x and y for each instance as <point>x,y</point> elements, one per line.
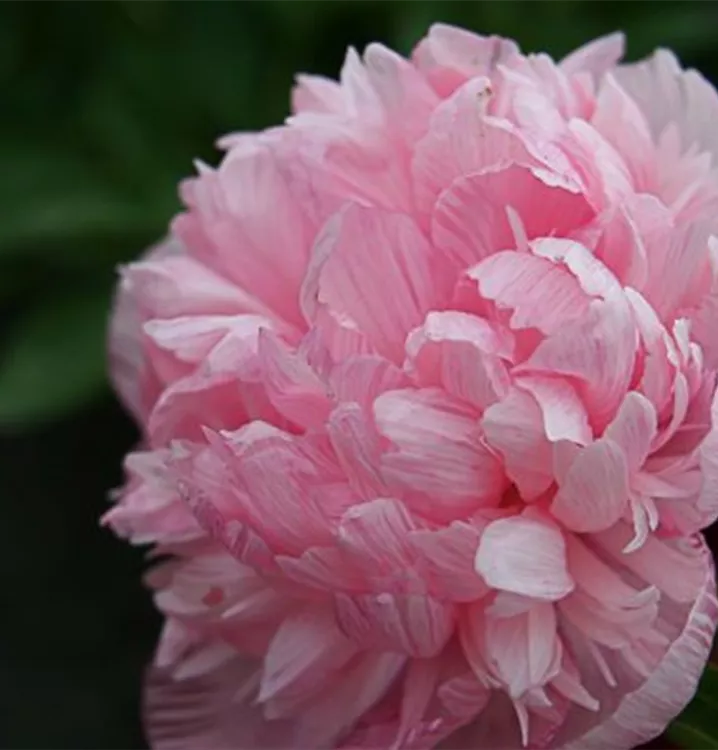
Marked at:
<point>426,378</point>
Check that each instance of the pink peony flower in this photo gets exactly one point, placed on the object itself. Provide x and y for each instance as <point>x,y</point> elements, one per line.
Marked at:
<point>426,378</point>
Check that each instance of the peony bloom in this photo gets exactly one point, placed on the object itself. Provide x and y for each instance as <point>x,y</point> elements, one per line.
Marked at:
<point>426,380</point>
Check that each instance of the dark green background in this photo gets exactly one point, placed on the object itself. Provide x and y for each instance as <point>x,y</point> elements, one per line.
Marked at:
<point>104,105</point>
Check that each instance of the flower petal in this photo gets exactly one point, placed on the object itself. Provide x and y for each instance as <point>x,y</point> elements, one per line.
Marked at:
<point>437,450</point>
<point>526,556</point>
<point>594,493</point>
<point>384,299</point>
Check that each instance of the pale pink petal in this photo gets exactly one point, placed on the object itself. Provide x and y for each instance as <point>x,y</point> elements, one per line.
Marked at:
<point>540,293</point>
<point>376,536</point>
<point>362,378</point>
<point>618,243</point>
<point>675,567</point>
<point>169,287</point>
<point>446,561</point>
<point>643,713</point>
<point>406,97</point>
<point>461,353</point>
<point>619,120</point>
<point>414,624</point>
<point>666,94</point>
<point>515,428</point>
<point>594,493</point>
<point>448,56</point>
<point>437,449</point>
<point>149,508</point>
<point>384,299</point>
<point>526,556</point>
<point>597,57</point>
<point>292,386</point>
<point>205,712</point>
<point>196,402</point>
<point>362,685</point>
<point>564,415</point>
<point>525,649</point>
<point>462,140</point>
<point>599,350</point>
<point>678,269</point>
<point>633,429</point>
<point>252,229</point>
<point>317,94</point>
<point>470,221</point>
<point>303,656</point>
<point>358,448</point>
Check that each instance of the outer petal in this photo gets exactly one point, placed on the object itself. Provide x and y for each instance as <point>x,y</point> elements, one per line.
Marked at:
<point>596,57</point>
<point>245,222</point>
<point>209,711</point>
<point>645,711</point>
<point>449,56</point>
<point>668,94</point>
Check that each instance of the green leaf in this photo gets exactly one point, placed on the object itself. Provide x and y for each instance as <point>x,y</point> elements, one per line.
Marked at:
<point>697,727</point>
<point>54,358</point>
<point>57,198</point>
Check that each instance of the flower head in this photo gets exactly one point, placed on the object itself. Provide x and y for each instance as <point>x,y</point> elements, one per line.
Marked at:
<point>426,378</point>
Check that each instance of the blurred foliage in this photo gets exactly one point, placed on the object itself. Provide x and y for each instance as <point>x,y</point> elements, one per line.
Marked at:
<point>106,104</point>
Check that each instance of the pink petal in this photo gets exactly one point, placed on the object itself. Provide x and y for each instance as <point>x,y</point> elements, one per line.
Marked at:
<point>412,624</point>
<point>470,222</point>
<point>203,712</point>
<point>384,299</point>
<point>362,685</point>
<point>633,429</point>
<point>177,285</point>
<point>564,415</point>
<point>515,428</point>
<point>364,377</point>
<point>254,232</point>
<point>303,656</point>
<point>317,94</point>
<point>674,567</point>
<point>594,493</point>
<point>597,57</point>
<point>540,293</point>
<point>599,349</point>
<point>358,449</point>
<point>525,556</point>
<point>451,148</point>
<point>323,568</point>
<point>524,649</point>
<point>619,120</point>
<point>667,94</point>
<point>196,402</point>
<point>446,560</point>
<point>437,450</point>
<point>448,56</point>
<point>283,506</point>
<point>678,269</point>
<point>404,94</point>
<point>644,712</point>
<point>292,386</point>
<point>461,353</point>
<point>620,246</point>
<point>375,534</point>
